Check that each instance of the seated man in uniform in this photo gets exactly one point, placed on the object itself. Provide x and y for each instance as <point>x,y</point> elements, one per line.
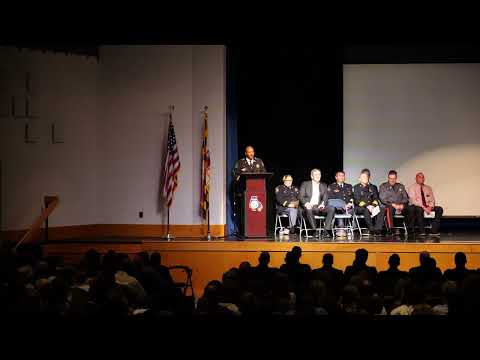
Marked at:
<point>248,164</point>
<point>366,199</point>
<point>423,201</point>
<point>314,200</point>
<point>340,196</point>
<point>395,198</point>
<point>287,202</point>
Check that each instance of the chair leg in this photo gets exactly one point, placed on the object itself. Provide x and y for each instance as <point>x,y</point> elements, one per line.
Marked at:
<point>358,226</point>
<point>350,227</point>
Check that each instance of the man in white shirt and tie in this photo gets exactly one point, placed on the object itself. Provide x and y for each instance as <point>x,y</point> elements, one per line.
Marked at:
<point>314,200</point>
<point>422,199</point>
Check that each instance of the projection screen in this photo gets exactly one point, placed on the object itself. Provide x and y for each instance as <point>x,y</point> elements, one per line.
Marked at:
<point>416,117</point>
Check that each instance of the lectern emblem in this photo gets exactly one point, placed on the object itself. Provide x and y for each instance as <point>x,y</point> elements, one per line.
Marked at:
<point>254,204</point>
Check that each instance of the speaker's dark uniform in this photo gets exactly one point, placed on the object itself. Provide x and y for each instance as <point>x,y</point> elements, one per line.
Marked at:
<point>246,165</point>
<point>243,166</point>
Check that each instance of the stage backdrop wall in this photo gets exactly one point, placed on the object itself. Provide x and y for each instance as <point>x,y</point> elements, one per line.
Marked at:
<point>114,120</point>
<point>416,117</point>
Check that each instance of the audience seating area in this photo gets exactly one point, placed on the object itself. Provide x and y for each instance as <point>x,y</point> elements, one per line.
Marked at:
<point>114,285</point>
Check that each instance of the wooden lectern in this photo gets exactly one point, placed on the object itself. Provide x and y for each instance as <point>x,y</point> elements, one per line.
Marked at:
<point>254,204</point>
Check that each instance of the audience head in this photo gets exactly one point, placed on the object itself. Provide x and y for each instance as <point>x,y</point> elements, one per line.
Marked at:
<point>422,309</point>
<point>350,295</point>
<point>394,261</point>
<point>155,259</point>
<point>327,259</point>
<point>424,255</point>
<point>289,258</point>
<point>297,251</point>
<point>316,175</point>
<point>361,256</point>
<point>264,258</point>
<point>460,259</point>
<point>244,265</point>
<point>145,257</point>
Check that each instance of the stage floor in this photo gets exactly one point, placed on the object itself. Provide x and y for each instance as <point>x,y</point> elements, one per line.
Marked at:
<point>465,236</point>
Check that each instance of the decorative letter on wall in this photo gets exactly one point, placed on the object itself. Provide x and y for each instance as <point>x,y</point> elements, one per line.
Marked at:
<point>31,132</point>
<point>57,133</point>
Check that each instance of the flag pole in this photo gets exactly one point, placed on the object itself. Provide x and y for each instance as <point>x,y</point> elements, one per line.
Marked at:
<point>169,237</point>
<point>209,235</point>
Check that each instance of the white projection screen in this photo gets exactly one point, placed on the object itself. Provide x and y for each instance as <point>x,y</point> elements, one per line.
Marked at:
<point>416,117</point>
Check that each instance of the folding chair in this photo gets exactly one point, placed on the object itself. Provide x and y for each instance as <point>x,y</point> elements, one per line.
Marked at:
<point>187,284</point>
<point>278,222</point>
<point>303,226</point>
<point>347,224</point>
<point>428,218</point>
<point>404,225</point>
<point>356,223</point>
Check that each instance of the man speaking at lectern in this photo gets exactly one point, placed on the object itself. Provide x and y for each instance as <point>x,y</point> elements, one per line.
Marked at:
<point>249,164</point>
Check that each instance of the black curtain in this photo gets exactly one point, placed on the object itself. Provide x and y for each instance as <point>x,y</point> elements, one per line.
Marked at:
<point>289,107</point>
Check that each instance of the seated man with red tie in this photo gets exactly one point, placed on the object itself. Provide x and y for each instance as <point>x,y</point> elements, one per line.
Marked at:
<point>422,199</point>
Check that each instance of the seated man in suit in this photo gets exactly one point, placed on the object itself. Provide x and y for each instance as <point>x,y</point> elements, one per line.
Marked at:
<point>395,198</point>
<point>248,164</point>
<point>340,196</point>
<point>366,199</point>
<point>287,202</point>
<point>423,201</point>
<point>314,200</point>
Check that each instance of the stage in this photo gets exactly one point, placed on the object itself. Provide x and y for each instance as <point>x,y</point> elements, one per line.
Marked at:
<point>210,259</point>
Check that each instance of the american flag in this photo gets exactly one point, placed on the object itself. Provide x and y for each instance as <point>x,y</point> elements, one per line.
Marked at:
<point>172,165</point>
<point>205,190</point>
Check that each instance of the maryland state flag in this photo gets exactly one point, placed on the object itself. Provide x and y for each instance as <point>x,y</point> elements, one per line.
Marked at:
<point>205,190</point>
